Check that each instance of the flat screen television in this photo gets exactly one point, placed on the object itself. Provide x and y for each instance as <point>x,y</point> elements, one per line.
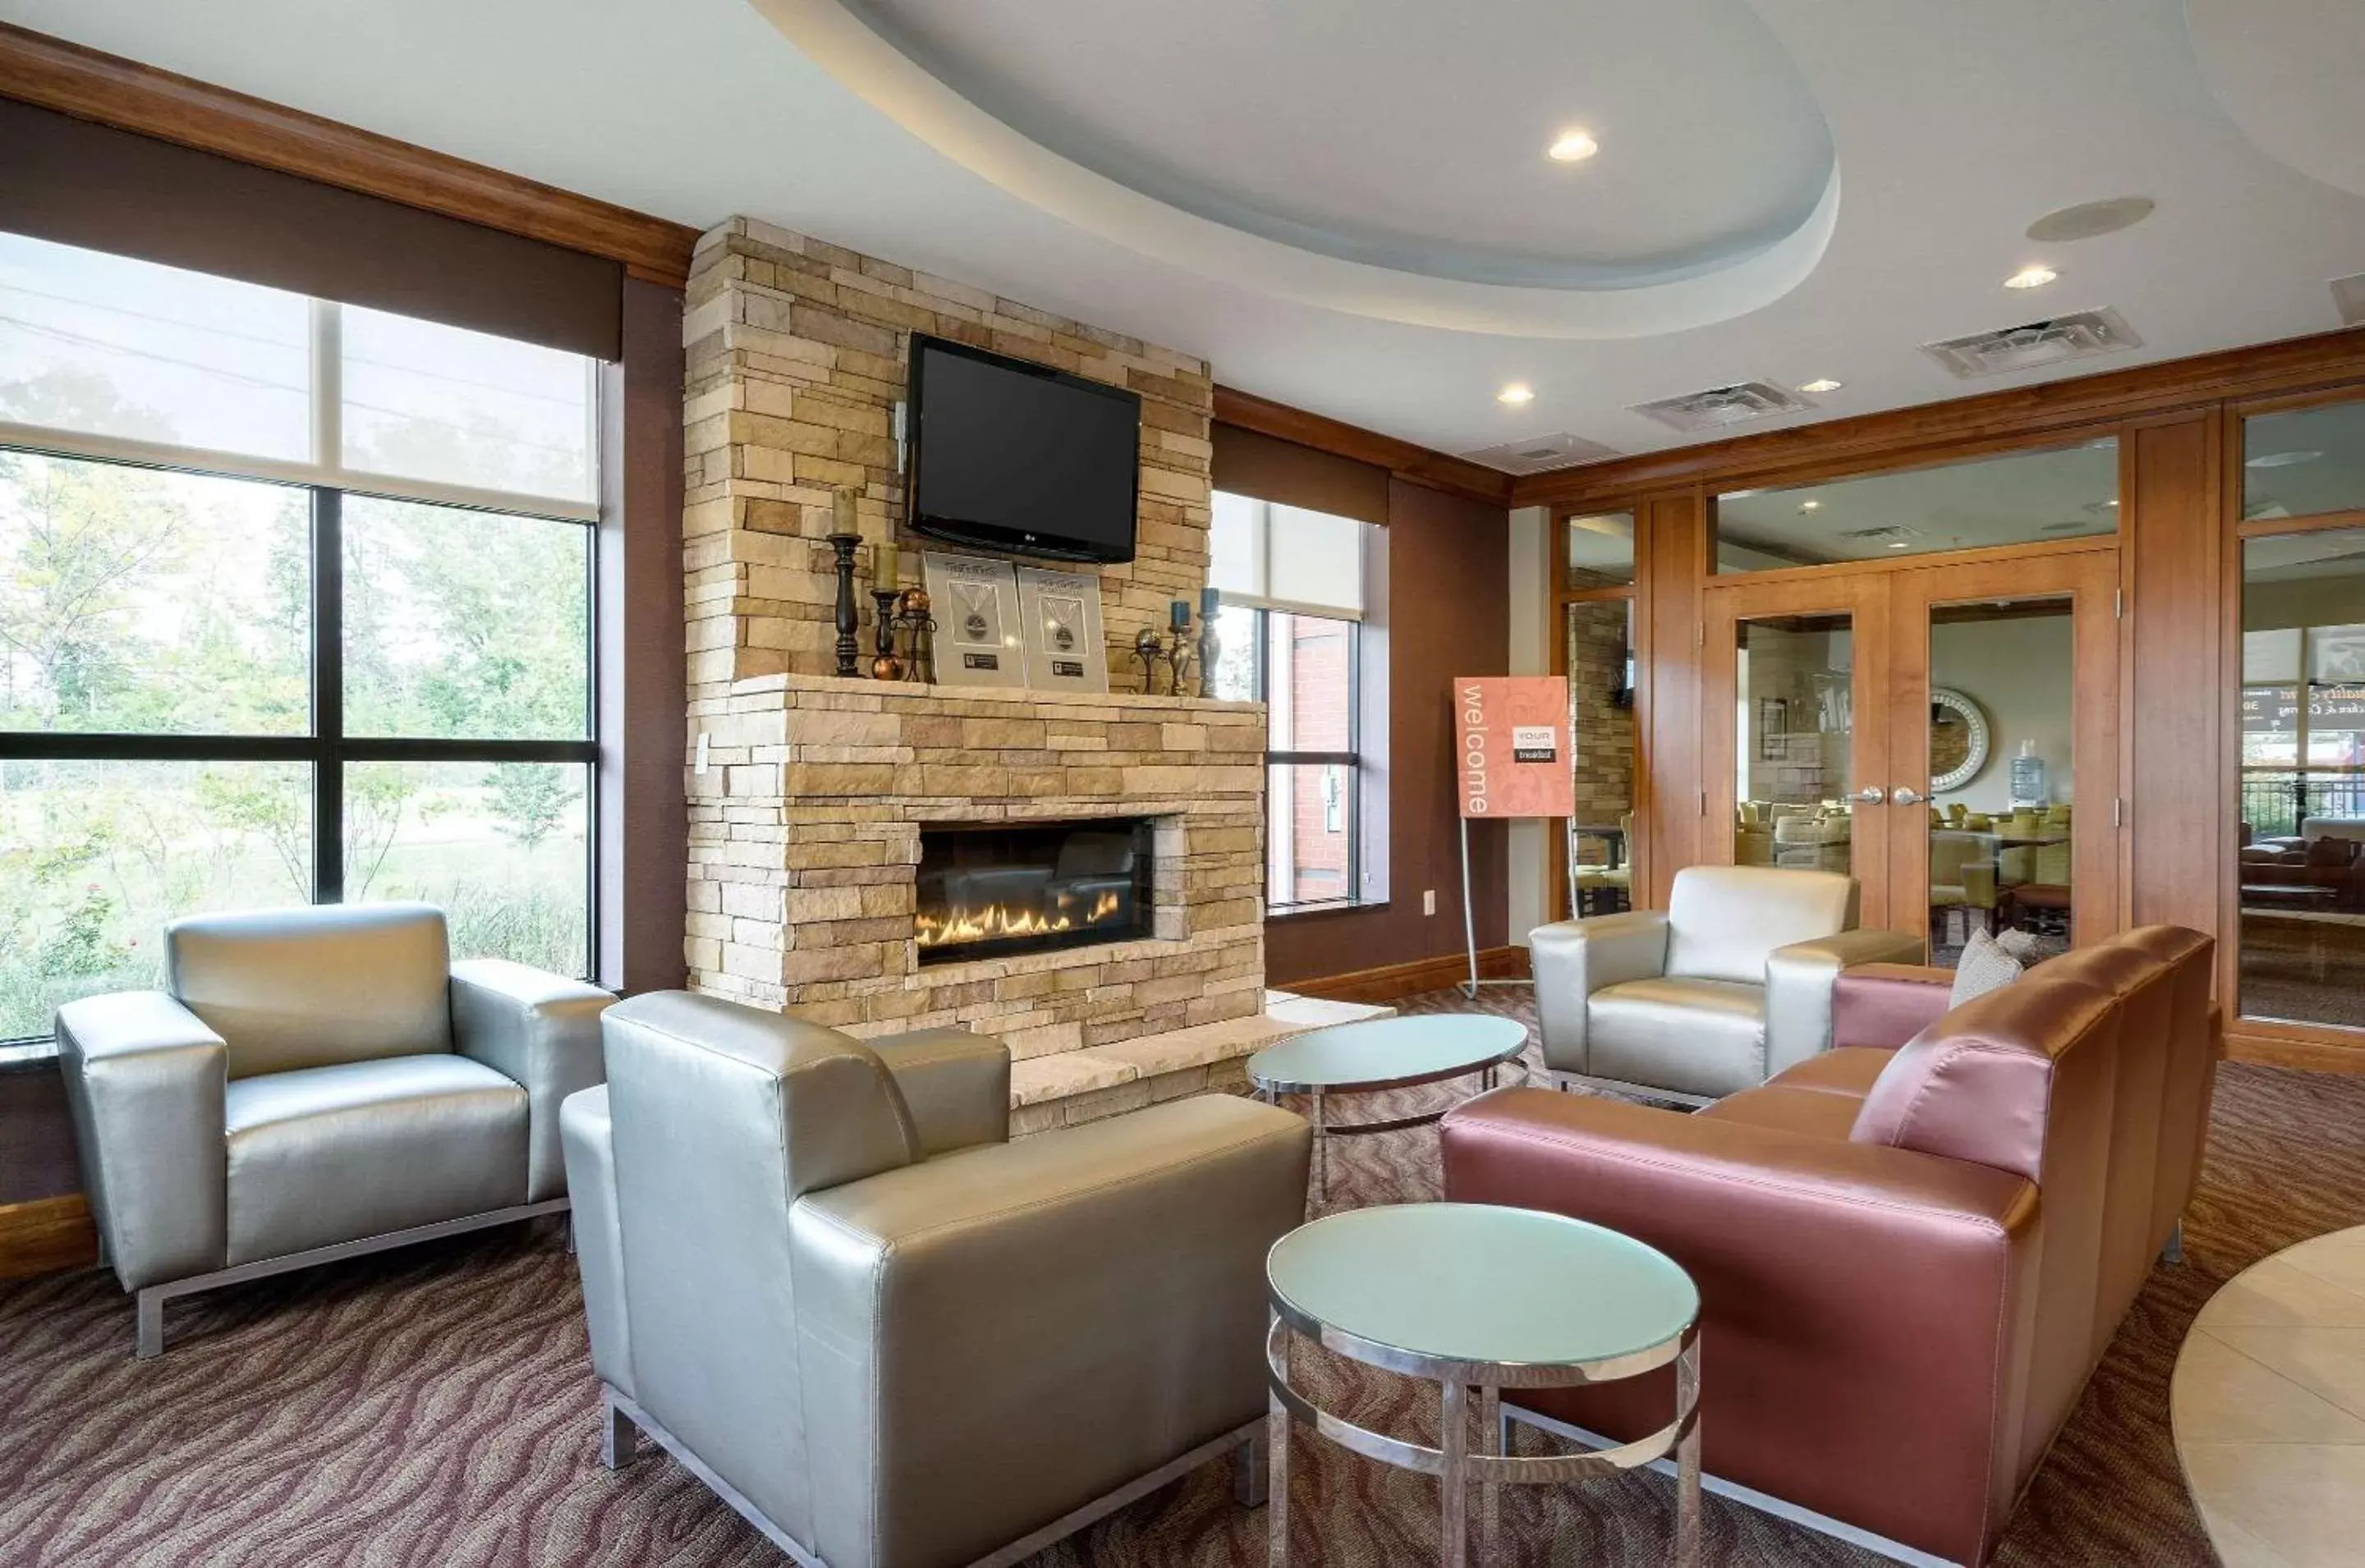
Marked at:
<point>1008,456</point>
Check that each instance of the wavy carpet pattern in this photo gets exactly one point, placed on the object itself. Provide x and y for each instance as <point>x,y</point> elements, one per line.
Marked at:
<point>435,1406</point>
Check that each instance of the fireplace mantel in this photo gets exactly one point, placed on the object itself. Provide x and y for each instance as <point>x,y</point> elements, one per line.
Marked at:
<point>805,844</point>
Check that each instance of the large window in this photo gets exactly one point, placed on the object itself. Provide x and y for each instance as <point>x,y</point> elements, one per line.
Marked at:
<point>1292,583</point>
<point>294,606</point>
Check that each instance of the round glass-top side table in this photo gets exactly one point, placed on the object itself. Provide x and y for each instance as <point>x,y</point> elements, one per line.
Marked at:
<point>1380,1054</point>
<point>1480,1298</point>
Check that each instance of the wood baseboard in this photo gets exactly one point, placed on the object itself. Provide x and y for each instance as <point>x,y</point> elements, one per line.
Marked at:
<point>45,1236</point>
<point>2273,1051</point>
<point>1392,981</point>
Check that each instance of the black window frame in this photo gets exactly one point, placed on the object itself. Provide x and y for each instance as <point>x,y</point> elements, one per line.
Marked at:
<point>326,747</point>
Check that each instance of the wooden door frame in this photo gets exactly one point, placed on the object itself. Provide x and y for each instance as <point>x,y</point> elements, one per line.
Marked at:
<point>2090,579</point>
<point>1864,598</point>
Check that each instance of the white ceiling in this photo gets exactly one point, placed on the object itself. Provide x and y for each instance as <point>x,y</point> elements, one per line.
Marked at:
<point>1315,197</point>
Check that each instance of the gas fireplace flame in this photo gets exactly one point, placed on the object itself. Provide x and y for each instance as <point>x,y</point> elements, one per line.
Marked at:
<point>995,921</point>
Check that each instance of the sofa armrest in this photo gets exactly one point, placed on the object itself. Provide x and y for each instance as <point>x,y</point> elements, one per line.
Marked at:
<point>955,1084</point>
<point>1050,1318</point>
<point>1884,1006</point>
<point>1574,959</point>
<point>1799,979</point>
<point>145,1079</point>
<point>540,1031</point>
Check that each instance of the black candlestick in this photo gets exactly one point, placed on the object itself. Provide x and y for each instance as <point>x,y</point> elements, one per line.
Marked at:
<point>886,665</point>
<point>849,620</point>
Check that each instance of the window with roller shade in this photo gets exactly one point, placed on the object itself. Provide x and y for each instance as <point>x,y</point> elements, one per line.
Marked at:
<point>294,606</point>
<point>1290,584</point>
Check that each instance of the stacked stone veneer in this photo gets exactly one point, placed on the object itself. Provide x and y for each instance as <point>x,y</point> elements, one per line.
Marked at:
<point>805,847</point>
<point>797,351</point>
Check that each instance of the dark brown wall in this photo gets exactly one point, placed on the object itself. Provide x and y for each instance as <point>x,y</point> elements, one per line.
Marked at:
<point>1449,595</point>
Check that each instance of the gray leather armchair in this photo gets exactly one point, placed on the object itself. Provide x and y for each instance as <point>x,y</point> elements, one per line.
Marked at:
<point>818,1275</point>
<point>317,1083</point>
<point>1729,986</point>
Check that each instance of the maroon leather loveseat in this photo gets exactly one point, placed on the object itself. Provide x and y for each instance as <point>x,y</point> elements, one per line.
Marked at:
<point>1912,1249</point>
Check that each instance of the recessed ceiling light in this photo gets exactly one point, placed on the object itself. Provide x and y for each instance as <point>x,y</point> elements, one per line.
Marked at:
<point>1810,506</point>
<point>1898,544</point>
<point>1573,146</point>
<point>1822,384</point>
<point>2036,276</point>
<point>2281,459</point>
<point>1516,393</point>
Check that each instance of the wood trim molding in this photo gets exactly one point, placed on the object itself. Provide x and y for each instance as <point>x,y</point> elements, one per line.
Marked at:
<point>2293,365</point>
<point>2278,1051</point>
<point>1391,981</point>
<point>1414,464</point>
<point>45,1236</point>
<point>51,73</point>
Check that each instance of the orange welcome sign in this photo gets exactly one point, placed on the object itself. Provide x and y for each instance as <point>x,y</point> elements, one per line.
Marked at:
<point>1511,745</point>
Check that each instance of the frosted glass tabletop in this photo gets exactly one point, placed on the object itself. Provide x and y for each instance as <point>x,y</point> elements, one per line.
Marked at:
<point>1478,1283</point>
<point>1387,1052</point>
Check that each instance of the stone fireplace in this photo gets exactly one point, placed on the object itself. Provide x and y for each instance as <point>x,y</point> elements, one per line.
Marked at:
<point>1079,876</point>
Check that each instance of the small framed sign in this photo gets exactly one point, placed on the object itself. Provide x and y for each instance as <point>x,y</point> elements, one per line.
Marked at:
<point>975,600</point>
<point>1059,617</point>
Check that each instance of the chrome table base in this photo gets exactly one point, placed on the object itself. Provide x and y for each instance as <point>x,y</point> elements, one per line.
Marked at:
<point>1490,1465</point>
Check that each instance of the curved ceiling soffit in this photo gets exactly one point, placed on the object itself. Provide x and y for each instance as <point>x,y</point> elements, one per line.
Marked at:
<point>841,44</point>
<point>2285,72</point>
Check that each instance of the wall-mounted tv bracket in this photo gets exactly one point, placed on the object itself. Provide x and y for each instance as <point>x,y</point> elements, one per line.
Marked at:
<point>900,408</point>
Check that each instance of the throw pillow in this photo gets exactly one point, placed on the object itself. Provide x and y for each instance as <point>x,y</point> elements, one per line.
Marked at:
<point>1986,964</point>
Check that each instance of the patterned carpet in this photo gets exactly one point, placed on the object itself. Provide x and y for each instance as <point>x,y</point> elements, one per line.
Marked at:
<point>435,1406</point>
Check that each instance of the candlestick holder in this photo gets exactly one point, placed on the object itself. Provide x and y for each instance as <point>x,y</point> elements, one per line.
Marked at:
<point>849,620</point>
<point>1149,648</point>
<point>884,664</point>
<point>915,621</point>
<point>1210,647</point>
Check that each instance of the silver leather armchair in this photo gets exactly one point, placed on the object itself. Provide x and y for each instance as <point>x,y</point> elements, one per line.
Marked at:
<point>1727,986</point>
<point>818,1276</point>
<point>314,1084</point>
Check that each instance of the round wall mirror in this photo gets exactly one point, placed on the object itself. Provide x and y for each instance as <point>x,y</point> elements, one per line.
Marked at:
<point>1958,739</point>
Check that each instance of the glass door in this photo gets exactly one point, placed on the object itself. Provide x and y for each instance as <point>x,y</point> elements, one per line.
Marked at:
<point>1797,773</point>
<point>2002,809</point>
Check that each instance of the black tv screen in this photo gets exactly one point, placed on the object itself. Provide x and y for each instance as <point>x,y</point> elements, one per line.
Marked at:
<point>1013,457</point>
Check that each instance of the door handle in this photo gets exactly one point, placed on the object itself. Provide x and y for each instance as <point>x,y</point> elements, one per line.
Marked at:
<point>1870,795</point>
<point>1906,797</point>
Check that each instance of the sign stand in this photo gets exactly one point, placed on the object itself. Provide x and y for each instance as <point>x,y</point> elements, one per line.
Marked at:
<point>1513,760</point>
<point>1470,918</point>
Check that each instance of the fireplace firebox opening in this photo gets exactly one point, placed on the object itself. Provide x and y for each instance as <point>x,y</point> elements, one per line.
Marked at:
<point>990,890</point>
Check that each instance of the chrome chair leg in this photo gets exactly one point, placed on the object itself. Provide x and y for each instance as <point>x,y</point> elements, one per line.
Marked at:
<point>619,1441</point>
<point>1252,1470</point>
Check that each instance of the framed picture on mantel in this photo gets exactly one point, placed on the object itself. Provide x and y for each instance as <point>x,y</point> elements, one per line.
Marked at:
<point>1059,620</point>
<point>975,601</point>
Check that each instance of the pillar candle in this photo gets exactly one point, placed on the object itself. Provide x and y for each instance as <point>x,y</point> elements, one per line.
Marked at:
<point>1181,618</point>
<point>886,576</point>
<point>845,509</point>
<point>1210,600</point>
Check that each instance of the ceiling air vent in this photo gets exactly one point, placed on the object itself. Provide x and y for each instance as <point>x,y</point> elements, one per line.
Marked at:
<point>1721,406</point>
<point>2052,342</point>
<point>1542,453</point>
<point>2348,293</point>
<point>1888,534</point>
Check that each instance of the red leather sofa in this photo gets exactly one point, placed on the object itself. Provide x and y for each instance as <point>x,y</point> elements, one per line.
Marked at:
<point>1913,1248</point>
